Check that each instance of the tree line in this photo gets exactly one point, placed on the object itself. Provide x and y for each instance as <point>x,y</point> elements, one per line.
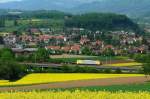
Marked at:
<point>9,68</point>
<point>145,59</point>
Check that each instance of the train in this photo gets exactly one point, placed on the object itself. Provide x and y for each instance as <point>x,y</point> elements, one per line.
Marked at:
<point>88,62</point>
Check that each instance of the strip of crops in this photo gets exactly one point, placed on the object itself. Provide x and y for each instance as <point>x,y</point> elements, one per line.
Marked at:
<point>75,95</point>
<point>39,78</point>
<point>125,64</point>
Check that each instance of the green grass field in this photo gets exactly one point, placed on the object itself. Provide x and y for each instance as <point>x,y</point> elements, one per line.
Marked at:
<point>114,88</point>
<point>101,58</point>
<point>24,24</point>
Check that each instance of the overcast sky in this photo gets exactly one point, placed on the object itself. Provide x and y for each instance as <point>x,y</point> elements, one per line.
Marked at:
<point>3,1</point>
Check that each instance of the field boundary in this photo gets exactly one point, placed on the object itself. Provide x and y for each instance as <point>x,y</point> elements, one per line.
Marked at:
<point>80,83</point>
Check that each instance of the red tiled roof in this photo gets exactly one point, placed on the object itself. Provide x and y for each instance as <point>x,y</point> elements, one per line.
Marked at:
<point>108,46</point>
<point>141,49</point>
<point>34,30</point>
<point>84,40</point>
<point>66,48</point>
<point>26,37</point>
<point>75,47</point>
<point>59,37</point>
<point>98,42</point>
<point>43,37</point>
<point>54,47</point>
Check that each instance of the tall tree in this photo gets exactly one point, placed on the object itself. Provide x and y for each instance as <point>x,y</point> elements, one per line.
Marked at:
<point>10,70</point>
<point>2,22</point>
<point>7,54</point>
<point>41,55</point>
<point>146,66</point>
<point>86,51</point>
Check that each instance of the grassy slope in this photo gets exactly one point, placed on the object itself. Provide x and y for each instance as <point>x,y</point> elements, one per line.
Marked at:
<point>114,88</point>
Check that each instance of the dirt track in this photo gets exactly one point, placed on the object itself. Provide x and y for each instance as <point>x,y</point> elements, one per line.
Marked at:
<point>82,83</point>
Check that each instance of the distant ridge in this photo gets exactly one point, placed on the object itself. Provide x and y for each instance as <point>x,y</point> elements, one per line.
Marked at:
<point>129,7</point>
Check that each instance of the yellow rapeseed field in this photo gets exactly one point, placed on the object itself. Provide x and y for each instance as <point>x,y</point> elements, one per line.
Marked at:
<point>74,95</point>
<point>4,81</point>
<point>38,78</point>
<point>125,64</point>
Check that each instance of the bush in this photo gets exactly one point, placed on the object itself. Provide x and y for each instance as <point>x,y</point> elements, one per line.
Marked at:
<point>10,70</point>
<point>146,68</point>
<point>21,58</point>
<point>118,71</point>
<point>107,70</point>
<point>67,69</point>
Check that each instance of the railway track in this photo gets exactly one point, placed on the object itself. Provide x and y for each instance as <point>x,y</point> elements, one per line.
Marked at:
<point>47,65</point>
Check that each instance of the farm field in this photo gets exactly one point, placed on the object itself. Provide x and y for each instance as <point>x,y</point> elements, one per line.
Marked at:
<point>65,58</point>
<point>4,81</point>
<point>113,88</point>
<point>51,78</point>
<point>130,64</point>
<point>77,94</point>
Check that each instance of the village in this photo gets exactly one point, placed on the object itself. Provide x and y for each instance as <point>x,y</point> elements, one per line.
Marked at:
<point>77,41</point>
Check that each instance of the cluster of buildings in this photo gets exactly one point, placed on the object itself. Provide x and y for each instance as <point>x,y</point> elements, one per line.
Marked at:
<point>74,41</point>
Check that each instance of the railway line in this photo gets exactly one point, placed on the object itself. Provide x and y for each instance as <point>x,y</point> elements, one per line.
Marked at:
<point>52,65</point>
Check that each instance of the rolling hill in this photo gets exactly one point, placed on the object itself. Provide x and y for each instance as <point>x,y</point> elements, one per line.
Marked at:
<point>102,21</point>
<point>129,7</point>
<point>41,4</point>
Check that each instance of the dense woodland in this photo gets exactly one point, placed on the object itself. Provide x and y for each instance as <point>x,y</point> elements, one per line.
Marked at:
<point>43,14</point>
<point>102,21</point>
<point>90,21</point>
